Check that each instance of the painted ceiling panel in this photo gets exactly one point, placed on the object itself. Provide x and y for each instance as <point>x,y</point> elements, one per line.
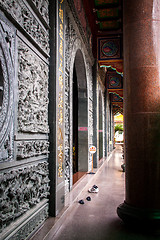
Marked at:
<point>108,13</point>
<point>108,25</point>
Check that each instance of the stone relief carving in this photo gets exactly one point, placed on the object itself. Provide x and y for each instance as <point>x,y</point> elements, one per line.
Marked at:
<point>32,92</point>
<point>31,225</point>
<point>69,38</point>
<point>21,13</point>
<point>20,190</point>
<point>7,48</point>
<point>42,6</point>
<point>27,149</point>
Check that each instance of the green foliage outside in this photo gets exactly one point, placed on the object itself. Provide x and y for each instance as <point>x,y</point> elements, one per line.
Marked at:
<point>119,128</point>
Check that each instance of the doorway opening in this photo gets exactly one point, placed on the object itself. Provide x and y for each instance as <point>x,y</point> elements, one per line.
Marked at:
<point>75,123</point>
<point>80,119</point>
<point>100,127</point>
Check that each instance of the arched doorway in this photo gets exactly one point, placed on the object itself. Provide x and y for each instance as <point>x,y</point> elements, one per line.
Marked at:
<point>80,118</point>
<point>100,126</point>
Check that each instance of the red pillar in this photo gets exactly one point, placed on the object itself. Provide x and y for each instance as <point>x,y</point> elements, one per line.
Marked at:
<point>142,112</point>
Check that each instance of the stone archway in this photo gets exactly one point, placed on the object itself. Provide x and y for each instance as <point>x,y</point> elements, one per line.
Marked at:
<point>80,118</point>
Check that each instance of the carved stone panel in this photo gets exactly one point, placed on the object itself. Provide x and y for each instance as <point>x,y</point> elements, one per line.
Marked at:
<point>30,226</point>
<point>7,48</point>
<point>25,18</point>
<point>26,149</point>
<point>20,190</point>
<point>32,92</point>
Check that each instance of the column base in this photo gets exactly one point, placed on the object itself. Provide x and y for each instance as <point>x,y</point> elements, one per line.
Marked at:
<point>148,219</point>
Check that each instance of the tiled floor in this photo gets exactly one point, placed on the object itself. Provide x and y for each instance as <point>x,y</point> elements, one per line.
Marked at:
<point>96,219</point>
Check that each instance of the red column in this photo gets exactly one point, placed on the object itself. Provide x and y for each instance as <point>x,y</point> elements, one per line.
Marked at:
<point>142,112</point>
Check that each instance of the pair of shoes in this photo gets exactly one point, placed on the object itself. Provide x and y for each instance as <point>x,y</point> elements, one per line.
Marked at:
<point>93,189</point>
<point>87,198</point>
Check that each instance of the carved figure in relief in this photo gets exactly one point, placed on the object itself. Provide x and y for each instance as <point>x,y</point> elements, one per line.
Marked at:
<point>33,92</point>
<point>20,190</point>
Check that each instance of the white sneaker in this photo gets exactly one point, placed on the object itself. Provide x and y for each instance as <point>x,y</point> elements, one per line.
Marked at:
<point>93,189</point>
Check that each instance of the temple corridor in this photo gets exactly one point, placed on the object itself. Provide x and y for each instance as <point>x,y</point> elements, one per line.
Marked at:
<point>96,219</point>
<point>68,68</point>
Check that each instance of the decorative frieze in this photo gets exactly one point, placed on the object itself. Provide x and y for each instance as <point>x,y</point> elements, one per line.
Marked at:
<point>26,149</point>
<point>24,17</point>
<point>32,92</point>
<point>20,190</point>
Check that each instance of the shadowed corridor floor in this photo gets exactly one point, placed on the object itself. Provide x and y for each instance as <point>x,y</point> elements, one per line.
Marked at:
<point>97,219</point>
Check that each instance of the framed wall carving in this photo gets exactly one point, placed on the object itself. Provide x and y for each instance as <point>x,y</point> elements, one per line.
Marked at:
<point>32,92</point>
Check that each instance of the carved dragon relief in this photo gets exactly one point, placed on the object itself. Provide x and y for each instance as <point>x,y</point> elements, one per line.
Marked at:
<point>7,49</point>
<point>20,190</point>
<point>21,13</point>
<point>32,92</point>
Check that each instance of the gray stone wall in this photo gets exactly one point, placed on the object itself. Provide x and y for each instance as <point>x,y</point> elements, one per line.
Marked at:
<point>24,53</point>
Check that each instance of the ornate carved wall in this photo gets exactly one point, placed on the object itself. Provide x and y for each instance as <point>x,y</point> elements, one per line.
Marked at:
<point>24,52</point>
<point>28,22</point>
